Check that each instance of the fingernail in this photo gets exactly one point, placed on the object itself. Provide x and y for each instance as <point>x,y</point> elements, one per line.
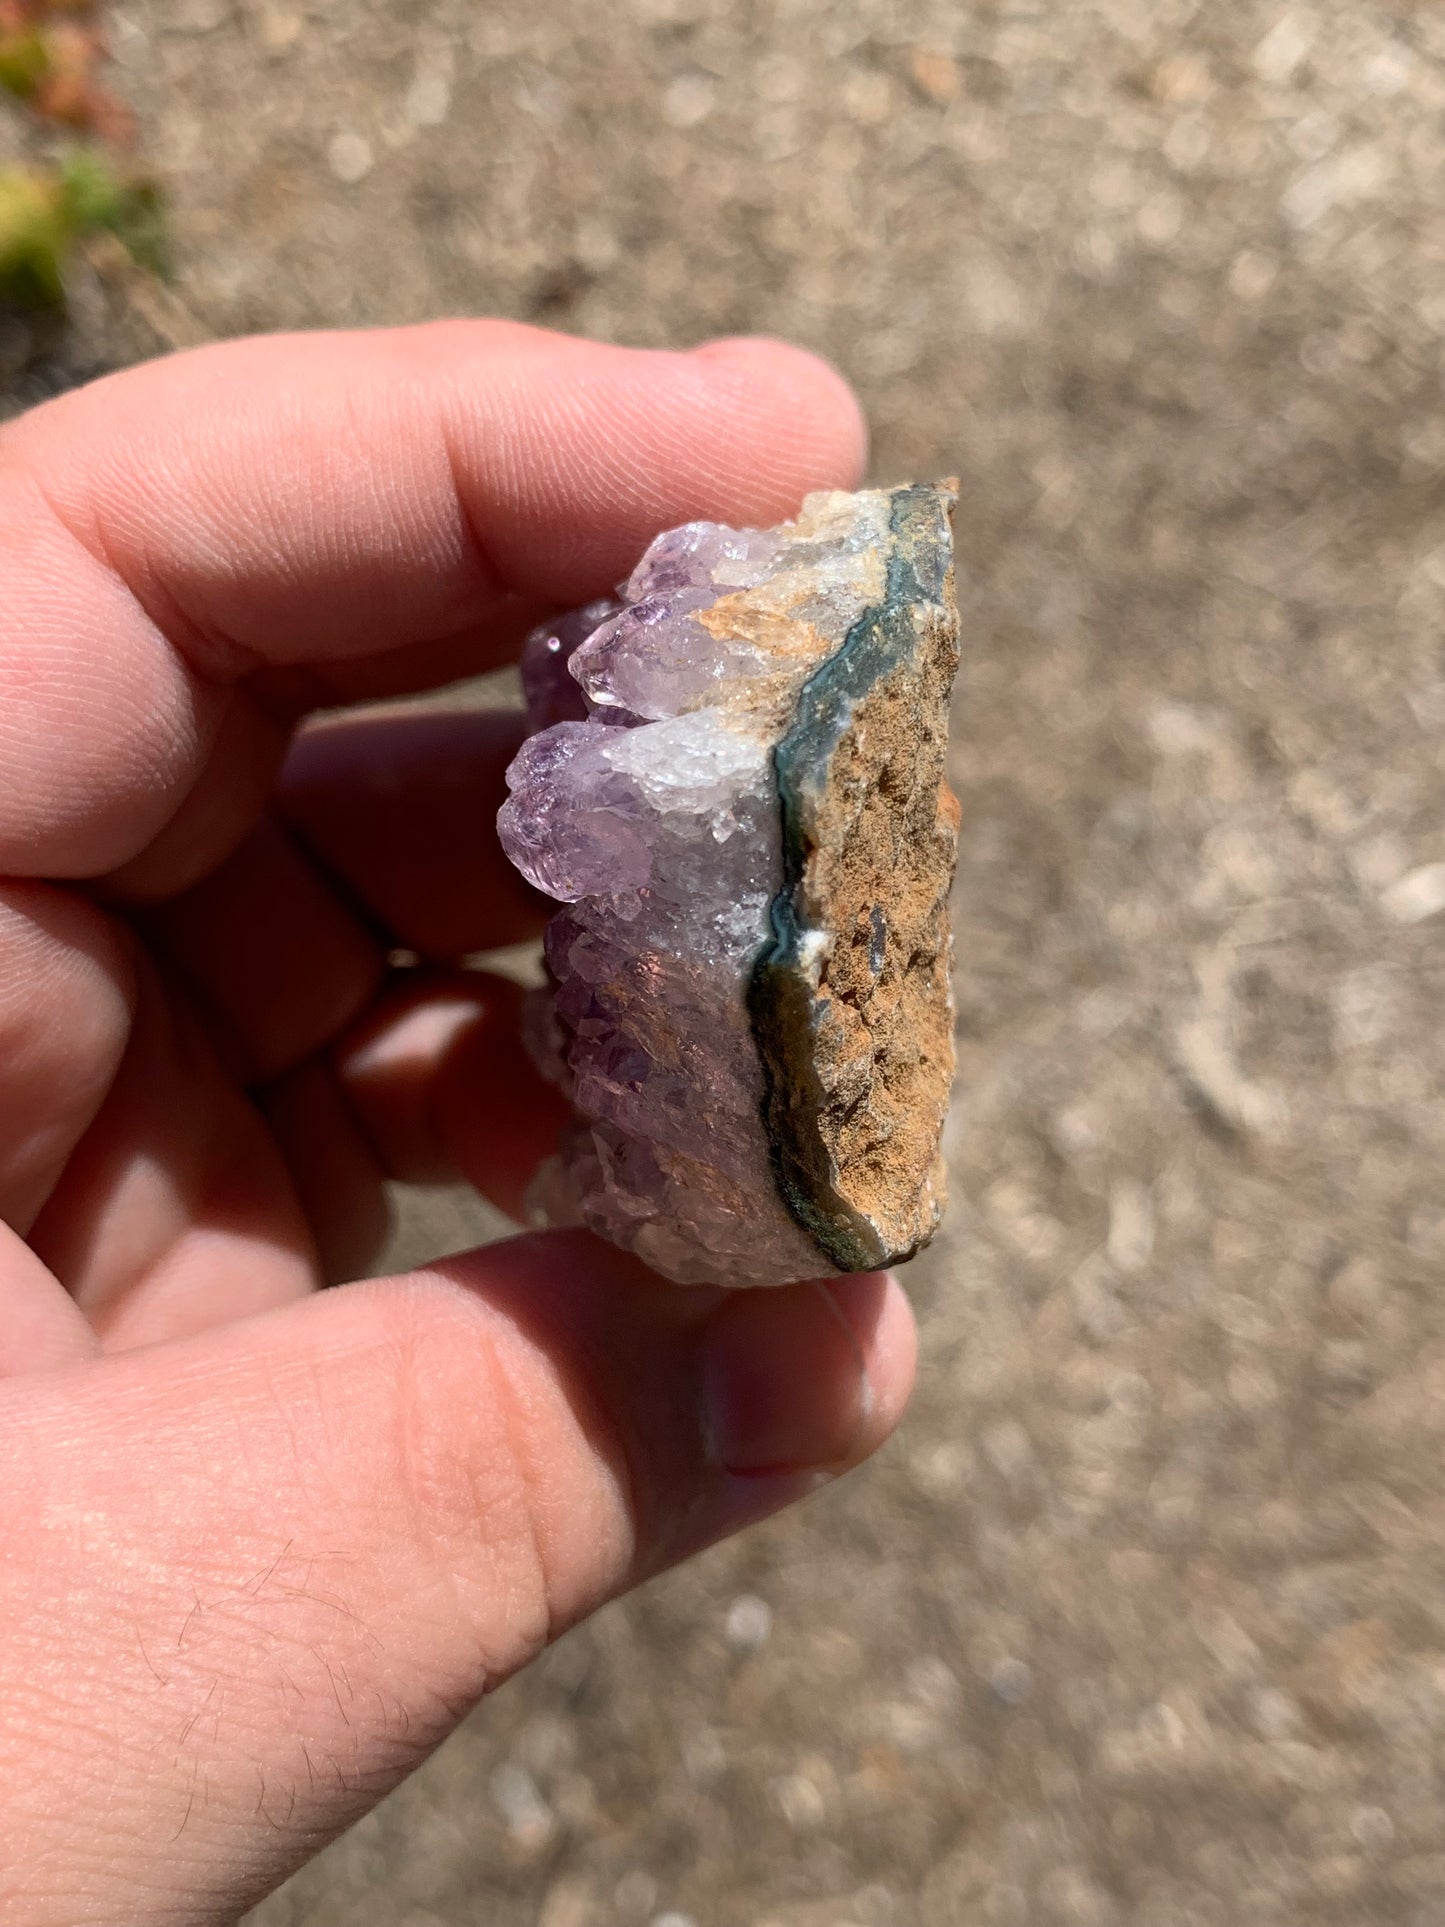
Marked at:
<point>785,1380</point>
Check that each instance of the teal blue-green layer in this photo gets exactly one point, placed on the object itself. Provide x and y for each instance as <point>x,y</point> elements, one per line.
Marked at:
<point>782,1008</point>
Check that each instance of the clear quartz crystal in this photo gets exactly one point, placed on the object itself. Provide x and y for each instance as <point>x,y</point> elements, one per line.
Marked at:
<point>647,804</point>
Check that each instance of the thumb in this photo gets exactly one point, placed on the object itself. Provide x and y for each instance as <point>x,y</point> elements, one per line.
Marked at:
<point>253,1577</point>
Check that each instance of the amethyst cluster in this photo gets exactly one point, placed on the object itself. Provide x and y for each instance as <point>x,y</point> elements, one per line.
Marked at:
<point>735,789</point>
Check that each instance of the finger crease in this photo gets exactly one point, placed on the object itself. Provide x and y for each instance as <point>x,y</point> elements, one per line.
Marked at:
<point>476,553</point>
<point>208,649</point>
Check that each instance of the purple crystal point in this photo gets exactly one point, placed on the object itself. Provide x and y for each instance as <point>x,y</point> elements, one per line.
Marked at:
<point>703,555</point>
<point>572,827</point>
<point>736,790</point>
<point>550,689</point>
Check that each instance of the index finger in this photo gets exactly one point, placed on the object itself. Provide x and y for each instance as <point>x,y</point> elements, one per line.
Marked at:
<point>336,499</point>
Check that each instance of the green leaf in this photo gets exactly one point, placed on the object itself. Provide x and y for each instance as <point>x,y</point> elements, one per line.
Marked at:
<point>36,235</point>
<point>98,198</point>
<point>44,212</point>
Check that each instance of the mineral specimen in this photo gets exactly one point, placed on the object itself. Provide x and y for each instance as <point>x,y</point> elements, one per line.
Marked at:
<point>737,790</point>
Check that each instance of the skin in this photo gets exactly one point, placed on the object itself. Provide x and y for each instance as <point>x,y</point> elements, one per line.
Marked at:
<point>262,1545</point>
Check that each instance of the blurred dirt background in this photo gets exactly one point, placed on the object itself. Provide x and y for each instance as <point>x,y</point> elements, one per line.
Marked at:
<point>1141,1618</point>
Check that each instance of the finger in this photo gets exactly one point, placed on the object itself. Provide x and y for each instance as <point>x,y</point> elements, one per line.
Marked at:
<point>288,1556</point>
<point>41,1326</point>
<point>442,1088</point>
<point>174,1211</point>
<point>231,786</point>
<point>407,668</point>
<point>497,1148</point>
<point>401,805</point>
<point>333,1170</point>
<point>272,951</point>
<point>332,500</point>
<point>66,995</point>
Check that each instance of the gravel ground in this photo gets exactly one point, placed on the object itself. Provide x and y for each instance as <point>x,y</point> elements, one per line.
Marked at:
<point>1140,1619</point>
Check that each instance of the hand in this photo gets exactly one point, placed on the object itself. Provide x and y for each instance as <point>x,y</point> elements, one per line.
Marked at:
<point>262,1545</point>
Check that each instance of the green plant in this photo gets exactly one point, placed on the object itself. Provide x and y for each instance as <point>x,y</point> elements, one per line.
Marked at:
<point>24,61</point>
<point>46,212</point>
<point>34,239</point>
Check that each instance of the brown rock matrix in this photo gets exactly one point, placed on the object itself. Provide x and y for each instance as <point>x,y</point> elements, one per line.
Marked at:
<point>853,1006</point>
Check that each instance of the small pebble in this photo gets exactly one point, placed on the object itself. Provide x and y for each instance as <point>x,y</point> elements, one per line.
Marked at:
<point>749,1622</point>
<point>1417,895</point>
<point>1012,1681</point>
<point>429,97</point>
<point>688,100</point>
<point>935,75</point>
<point>528,1818</point>
<point>279,30</point>
<point>350,158</point>
<point>1283,48</point>
<point>1373,1828</point>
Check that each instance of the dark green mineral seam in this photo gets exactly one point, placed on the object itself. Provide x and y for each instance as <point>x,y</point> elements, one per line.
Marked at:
<point>781,1008</point>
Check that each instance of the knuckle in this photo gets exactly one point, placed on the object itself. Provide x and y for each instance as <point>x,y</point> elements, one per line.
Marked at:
<point>465,1468</point>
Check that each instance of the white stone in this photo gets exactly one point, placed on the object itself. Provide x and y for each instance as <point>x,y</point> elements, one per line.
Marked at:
<point>1419,894</point>
<point>350,158</point>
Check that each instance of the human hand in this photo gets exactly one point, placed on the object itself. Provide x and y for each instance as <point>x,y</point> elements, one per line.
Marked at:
<point>262,1545</point>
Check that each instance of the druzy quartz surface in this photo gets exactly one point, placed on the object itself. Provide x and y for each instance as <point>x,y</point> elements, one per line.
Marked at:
<point>736,790</point>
